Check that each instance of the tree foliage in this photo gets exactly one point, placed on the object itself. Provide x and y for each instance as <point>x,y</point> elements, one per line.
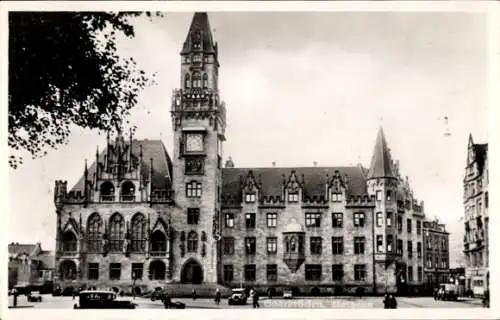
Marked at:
<point>64,70</point>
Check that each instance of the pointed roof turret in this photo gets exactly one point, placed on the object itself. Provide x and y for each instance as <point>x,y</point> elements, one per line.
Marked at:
<point>199,34</point>
<point>381,165</point>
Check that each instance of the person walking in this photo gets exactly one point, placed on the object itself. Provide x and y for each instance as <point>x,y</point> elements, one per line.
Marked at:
<point>167,302</point>
<point>193,294</point>
<point>393,303</point>
<point>269,293</point>
<point>387,301</point>
<point>217,296</point>
<point>435,293</point>
<point>255,299</point>
<point>15,293</point>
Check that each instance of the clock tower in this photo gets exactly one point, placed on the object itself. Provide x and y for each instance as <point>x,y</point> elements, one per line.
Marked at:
<point>198,121</point>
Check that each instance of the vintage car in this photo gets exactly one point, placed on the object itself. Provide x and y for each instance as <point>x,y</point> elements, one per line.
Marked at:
<point>447,291</point>
<point>287,293</point>
<point>238,296</point>
<point>101,299</point>
<point>34,297</point>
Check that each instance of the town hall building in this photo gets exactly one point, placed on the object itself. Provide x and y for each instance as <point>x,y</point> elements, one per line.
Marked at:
<point>141,217</point>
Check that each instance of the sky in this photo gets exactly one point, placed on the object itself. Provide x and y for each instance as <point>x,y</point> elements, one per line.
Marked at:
<point>305,87</point>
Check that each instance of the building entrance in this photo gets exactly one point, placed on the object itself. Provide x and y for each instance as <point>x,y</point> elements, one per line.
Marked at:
<point>192,272</point>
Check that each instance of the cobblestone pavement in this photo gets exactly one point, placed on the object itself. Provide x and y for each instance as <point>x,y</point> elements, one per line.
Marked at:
<point>51,302</point>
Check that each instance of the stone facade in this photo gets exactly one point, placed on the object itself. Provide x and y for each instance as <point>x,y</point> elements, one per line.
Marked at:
<point>140,218</point>
<point>476,219</point>
<point>436,255</point>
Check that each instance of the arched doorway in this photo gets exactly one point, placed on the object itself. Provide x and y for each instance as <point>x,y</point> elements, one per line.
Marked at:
<point>157,270</point>
<point>192,272</point>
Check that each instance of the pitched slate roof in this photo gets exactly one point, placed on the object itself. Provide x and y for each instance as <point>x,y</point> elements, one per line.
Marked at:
<point>200,23</point>
<point>151,149</point>
<point>17,249</point>
<point>315,179</point>
<point>381,165</point>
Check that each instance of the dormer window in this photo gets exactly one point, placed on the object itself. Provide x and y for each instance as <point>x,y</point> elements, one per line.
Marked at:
<point>336,197</point>
<point>250,197</point>
<point>293,197</point>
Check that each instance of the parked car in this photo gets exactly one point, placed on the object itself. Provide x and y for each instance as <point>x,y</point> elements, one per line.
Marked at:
<point>102,300</point>
<point>34,298</point>
<point>238,296</point>
<point>447,291</point>
<point>287,293</point>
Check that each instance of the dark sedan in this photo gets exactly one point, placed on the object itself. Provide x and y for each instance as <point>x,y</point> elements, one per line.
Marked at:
<point>102,300</point>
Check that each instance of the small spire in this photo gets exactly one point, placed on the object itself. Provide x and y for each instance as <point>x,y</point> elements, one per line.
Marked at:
<point>381,164</point>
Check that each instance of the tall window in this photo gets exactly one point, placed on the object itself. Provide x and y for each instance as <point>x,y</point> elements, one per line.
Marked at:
<point>193,189</point>
<point>250,197</point>
<point>359,272</point>
<point>410,249</point>
<point>272,272</point>
<point>400,247</point>
<point>408,225</point>
<point>228,273</point>
<point>419,227</point>
<point>115,271</point>
<point>250,245</point>
<point>313,272</point>
<point>196,75</point>
<point>272,219</point>
<point>205,80</point>
<point>359,219</point>
<point>337,272</point>
<point>229,220</point>
<point>93,269</point>
<point>69,242</point>
<point>138,243</point>
<point>137,271</point>
<point>94,224</point>
<point>336,197</point>
<point>419,273</point>
<point>389,243</point>
<point>400,224</point>
<point>193,215</point>
<point>410,273</point>
<point>315,243</point>
<point>389,219</point>
<point>379,195</point>
<point>116,232</point>
<point>293,197</point>
<point>272,245</point>
<point>228,245</point>
<point>107,191</point>
<point>389,195</point>
<point>337,245</point>
<point>128,191</point>
<point>250,220</point>
<point>250,271</point>
<point>380,243</point>
<point>313,219</point>
<point>192,242</point>
<point>380,219</point>
<point>337,218</point>
<point>359,245</point>
<point>187,81</point>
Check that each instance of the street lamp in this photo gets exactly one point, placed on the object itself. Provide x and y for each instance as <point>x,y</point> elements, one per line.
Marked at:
<point>134,278</point>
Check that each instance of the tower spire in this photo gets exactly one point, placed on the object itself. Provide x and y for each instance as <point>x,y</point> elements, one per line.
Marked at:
<point>381,165</point>
<point>199,37</point>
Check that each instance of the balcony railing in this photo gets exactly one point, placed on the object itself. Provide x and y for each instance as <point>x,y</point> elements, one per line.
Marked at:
<point>107,198</point>
<point>127,198</point>
<point>158,253</point>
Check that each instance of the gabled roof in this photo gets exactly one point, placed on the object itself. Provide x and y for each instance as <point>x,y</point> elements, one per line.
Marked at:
<point>200,24</point>
<point>271,180</point>
<point>17,249</point>
<point>151,149</point>
<point>381,165</point>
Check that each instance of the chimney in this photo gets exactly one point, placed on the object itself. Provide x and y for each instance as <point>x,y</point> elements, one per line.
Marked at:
<point>274,164</point>
<point>315,164</point>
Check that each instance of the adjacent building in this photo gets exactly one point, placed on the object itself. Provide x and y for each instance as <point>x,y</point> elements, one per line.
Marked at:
<point>476,240</point>
<point>30,265</point>
<point>436,255</point>
<point>140,217</point>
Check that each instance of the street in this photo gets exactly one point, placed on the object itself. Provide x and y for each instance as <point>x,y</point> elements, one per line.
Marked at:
<point>51,302</point>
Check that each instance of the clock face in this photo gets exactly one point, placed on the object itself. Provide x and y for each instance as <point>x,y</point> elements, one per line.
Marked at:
<point>194,142</point>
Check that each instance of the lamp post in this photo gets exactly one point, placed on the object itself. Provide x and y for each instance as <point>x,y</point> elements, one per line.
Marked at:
<point>134,278</point>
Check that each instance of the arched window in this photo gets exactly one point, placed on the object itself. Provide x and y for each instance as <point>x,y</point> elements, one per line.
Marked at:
<point>67,270</point>
<point>128,191</point>
<point>192,242</point>
<point>158,243</point>
<point>116,232</point>
<point>107,191</point>
<point>138,233</point>
<point>157,270</point>
<point>94,224</point>
<point>205,80</point>
<point>69,241</point>
<point>187,81</point>
<point>196,80</point>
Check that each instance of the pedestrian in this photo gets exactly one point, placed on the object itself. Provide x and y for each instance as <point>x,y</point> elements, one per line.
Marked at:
<point>255,299</point>
<point>193,294</point>
<point>435,293</point>
<point>269,293</point>
<point>393,302</point>
<point>167,302</point>
<point>73,293</point>
<point>387,301</point>
<point>486,299</point>
<point>217,296</point>
<point>14,293</point>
